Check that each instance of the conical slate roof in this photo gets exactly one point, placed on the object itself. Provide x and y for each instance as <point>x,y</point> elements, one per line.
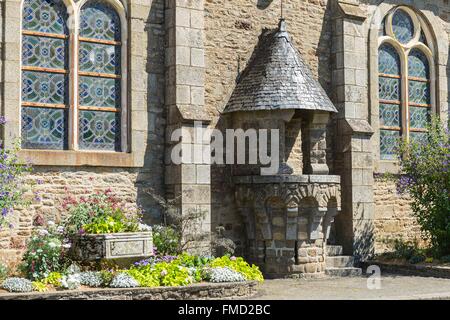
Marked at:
<point>278,78</point>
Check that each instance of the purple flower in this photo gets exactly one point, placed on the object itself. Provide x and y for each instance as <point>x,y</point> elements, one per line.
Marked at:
<point>2,120</point>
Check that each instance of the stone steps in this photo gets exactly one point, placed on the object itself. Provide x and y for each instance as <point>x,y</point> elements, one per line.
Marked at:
<point>343,272</point>
<point>339,265</point>
<point>333,251</point>
<point>340,261</point>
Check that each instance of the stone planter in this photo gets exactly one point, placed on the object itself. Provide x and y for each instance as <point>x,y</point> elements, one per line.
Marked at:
<point>92,247</point>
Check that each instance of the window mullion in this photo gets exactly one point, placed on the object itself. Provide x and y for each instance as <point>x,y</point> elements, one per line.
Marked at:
<point>405,97</point>
<point>74,89</point>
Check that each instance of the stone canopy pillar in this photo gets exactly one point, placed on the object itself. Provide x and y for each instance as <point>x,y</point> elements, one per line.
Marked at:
<point>316,145</point>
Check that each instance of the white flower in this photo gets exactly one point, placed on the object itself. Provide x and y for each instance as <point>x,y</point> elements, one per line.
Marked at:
<point>52,244</point>
<point>144,227</point>
<point>60,229</point>
<point>43,232</point>
<point>67,246</point>
<point>51,223</point>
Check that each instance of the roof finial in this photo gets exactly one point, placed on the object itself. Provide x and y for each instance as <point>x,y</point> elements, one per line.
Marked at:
<point>282,15</point>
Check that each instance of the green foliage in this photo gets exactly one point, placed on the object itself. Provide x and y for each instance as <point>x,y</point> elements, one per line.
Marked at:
<point>12,189</point>
<point>166,240</point>
<point>107,277</point>
<point>44,254</point>
<point>191,261</point>
<point>167,274</point>
<point>99,214</point>
<point>445,259</point>
<point>145,277</point>
<point>240,265</point>
<point>4,271</point>
<point>426,168</point>
<point>54,278</point>
<point>39,286</point>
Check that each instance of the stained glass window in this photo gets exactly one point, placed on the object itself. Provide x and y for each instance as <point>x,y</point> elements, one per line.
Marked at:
<point>419,94</point>
<point>44,75</point>
<point>403,115</point>
<point>390,96</point>
<point>99,89</point>
<point>402,26</point>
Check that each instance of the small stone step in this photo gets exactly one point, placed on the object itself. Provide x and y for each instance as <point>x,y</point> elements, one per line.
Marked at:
<point>334,251</point>
<point>339,261</point>
<point>343,272</point>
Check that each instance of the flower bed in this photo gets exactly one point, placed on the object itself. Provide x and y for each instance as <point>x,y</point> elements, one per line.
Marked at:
<point>183,270</point>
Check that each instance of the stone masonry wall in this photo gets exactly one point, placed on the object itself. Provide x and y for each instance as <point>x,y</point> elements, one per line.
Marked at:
<point>232,30</point>
<point>52,185</point>
<point>393,218</point>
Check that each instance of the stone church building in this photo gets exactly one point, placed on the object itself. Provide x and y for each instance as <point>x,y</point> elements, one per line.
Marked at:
<point>95,88</point>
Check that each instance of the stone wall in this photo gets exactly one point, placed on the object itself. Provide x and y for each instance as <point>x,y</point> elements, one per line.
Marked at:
<point>393,218</point>
<point>202,291</point>
<point>52,185</point>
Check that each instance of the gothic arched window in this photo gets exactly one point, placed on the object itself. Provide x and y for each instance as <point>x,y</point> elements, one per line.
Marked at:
<point>79,111</point>
<point>405,87</point>
<point>45,99</point>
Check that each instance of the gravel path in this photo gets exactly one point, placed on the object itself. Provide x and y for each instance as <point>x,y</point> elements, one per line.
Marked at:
<point>392,287</point>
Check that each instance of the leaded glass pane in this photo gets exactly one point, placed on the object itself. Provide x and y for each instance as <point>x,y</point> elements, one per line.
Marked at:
<point>388,60</point>
<point>418,65</point>
<point>99,92</point>
<point>99,21</point>
<point>402,26</point>
<point>389,115</point>
<point>419,117</point>
<point>44,128</point>
<point>419,92</point>
<point>40,87</point>
<point>95,57</point>
<point>389,89</point>
<point>418,137</point>
<point>44,52</point>
<point>48,16</point>
<point>99,130</point>
<point>389,142</point>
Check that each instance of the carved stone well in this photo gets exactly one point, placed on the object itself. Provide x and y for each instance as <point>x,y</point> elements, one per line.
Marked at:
<point>287,214</point>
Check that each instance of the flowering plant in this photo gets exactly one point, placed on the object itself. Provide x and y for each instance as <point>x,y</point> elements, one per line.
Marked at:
<point>11,188</point>
<point>426,178</point>
<point>45,253</point>
<point>99,213</point>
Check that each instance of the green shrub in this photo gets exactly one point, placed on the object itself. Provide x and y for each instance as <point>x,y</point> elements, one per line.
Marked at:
<point>426,178</point>
<point>39,286</point>
<point>239,265</point>
<point>445,259</point>
<point>54,278</point>
<point>4,272</point>
<point>166,240</point>
<point>12,188</point>
<point>44,254</point>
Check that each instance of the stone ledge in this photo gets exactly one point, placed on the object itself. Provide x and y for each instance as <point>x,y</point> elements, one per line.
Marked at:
<point>287,179</point>
<point>79,158</point>
<point>202,291</point>
<point>411,269</point>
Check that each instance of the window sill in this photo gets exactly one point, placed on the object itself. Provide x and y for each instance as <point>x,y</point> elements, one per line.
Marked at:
<point>388,166</point>
<point>78,158</point>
